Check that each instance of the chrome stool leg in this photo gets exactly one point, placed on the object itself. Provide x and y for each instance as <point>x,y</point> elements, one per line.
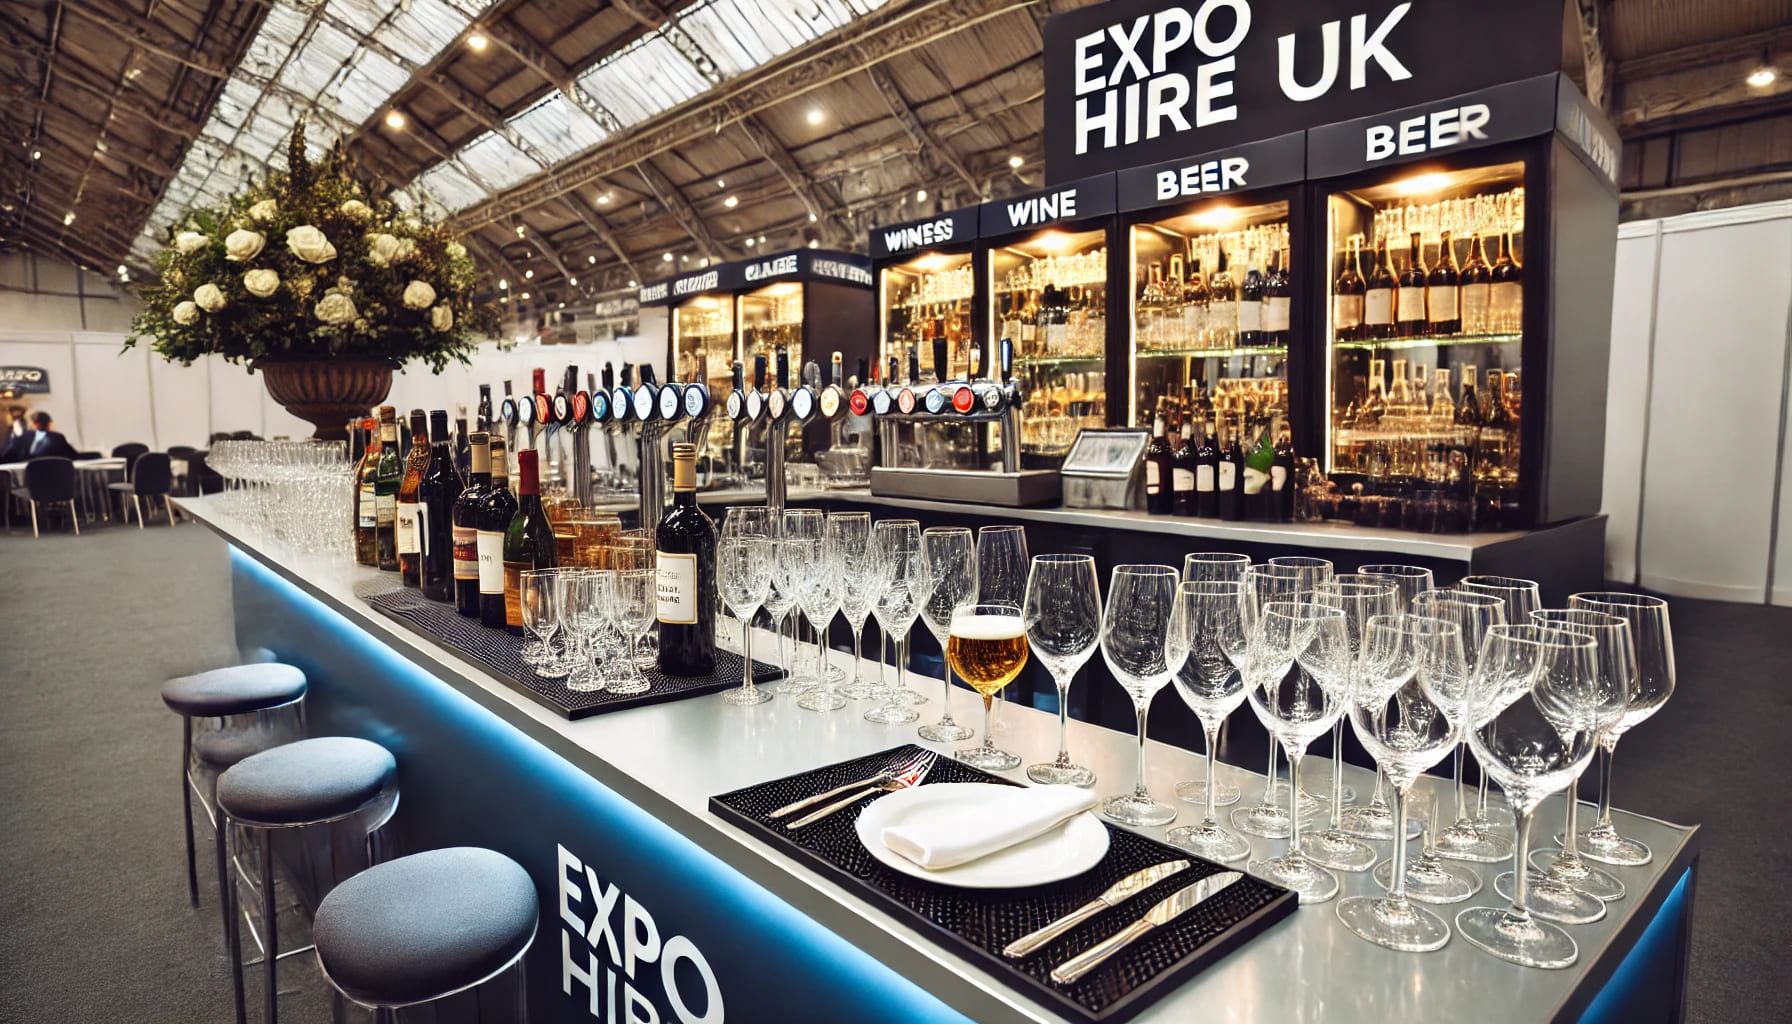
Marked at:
<point>271,951</point>
<point>232,938</point>
<point>186,806</point>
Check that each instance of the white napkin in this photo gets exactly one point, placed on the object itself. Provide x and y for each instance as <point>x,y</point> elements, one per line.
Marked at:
<point>983,828</point>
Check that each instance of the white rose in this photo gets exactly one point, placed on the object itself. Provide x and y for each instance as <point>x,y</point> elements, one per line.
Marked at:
<point>209,297</point>
<point>456,251</point>
<point>190,241</point>
<point>243,245</point>
<point>382,249</point>
<point>441,318</point>
<point>264,210</point>
<point>418,295</point>
<point>185,313</point>
<point>406,249</point>
<point>336,308</point>
<point>261,283</point>
<point>310,245</point>
<point>356,209</point>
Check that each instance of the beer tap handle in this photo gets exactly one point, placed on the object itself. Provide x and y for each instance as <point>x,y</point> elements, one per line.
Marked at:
<point>939,359</point>
<point>783,368</point>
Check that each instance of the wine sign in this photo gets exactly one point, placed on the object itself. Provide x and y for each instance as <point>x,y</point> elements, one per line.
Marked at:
<point>1077,200</point>
<point>1141,81</point>
<point>951,228</point>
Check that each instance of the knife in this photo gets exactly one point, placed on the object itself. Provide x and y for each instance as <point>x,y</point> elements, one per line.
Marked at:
<point>1118,893</point>
<point>1165,912</point>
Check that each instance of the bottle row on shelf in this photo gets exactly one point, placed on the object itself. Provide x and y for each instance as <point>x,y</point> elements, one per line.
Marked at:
<point>1201,467</point>
<point>1178,313</point>
<point>1441,300</point>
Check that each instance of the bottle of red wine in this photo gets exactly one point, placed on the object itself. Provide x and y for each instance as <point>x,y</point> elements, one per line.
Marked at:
<point>387,475</point>
<point>496,510</point>
<point>436,494</point>
<point>1182,463</point>
<point>1159,484</point>
<point>410,546</point>
<point>466,527</point>
<point>528,540</point>
<point>1231,487</point>
<point>686,583</point>
<point>1207,473</point>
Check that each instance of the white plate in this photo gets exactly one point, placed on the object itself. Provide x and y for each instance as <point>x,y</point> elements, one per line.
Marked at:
<point>1070,849</point>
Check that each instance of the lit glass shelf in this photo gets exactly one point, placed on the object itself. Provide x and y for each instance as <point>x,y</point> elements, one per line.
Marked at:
<point>1213,353</point>
<point>1397,344</point>
<point>1057,360</point>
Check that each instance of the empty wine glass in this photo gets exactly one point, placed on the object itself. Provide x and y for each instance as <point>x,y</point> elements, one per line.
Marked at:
<point>1264,584</point>
<point>1361,598</point>
<point>1412,667</point>
<point>1547,699</point>
<point>820,601</point>
<point>1212,686</point>
<point>1212,567</point>
<point>905,581</point>
<point>851,534</point>
<point>582,611</point>
<point>1469,838</point>
<point>1431,879</point>
<point>1412,580</point>
<point>952,555</point>
<point>536,593</point>
<point>789,556</point>
<point>1312,572</point>
<point>630,606</point>
<point>1298,672</point>
<point>744,571</point>
<point>1143,642</point>
<point>804,524</point>
<point>987,647</point>
<point>1653,684</point>
<point>1062,615</point>
<point>1520,597</point>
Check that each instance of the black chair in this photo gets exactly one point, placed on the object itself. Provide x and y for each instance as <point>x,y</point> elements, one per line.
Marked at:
<point>202,479</point>
<point>89,456</point>
<point>154,479</point>
<point>51,481</point>
<point>244,435</point>
<point>6,495</point>
<point>181,451</point>
<point>218,435</point>
<point>130,453</point>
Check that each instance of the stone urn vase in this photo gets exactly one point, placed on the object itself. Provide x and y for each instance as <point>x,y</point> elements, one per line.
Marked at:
<point>327,392</point>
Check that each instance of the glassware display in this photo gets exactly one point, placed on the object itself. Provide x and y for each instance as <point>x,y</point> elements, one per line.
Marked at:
<point>1048,296</point>
<point>1468,838</point>
<point>952,557</point>
<point>1144,642</point>
<point>1212,686</point>
<point>1062,615</point>
<point>904,583</point>
<point>295,490</point>
<point>987,646</point>
<point>743,575</point>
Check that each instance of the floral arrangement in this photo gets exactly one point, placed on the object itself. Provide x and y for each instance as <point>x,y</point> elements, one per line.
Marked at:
<point>310,264</point>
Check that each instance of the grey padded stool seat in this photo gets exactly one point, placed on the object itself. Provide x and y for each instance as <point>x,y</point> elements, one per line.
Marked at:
<point>234,690</point>
<point>307,782</point>
<point>423,927</point>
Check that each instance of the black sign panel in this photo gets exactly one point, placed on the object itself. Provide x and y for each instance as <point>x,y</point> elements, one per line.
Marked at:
<point>1076,200</point>
<point>1587,130</point>
<point>1132,82</point>
<point>716,278</point>
<point>24,380</point>
<point>953,227</point>
<point>1276,161</point>
<point>1504,113</point>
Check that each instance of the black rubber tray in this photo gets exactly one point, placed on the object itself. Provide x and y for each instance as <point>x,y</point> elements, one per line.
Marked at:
<point>500,653</point>
<point>977,923</point>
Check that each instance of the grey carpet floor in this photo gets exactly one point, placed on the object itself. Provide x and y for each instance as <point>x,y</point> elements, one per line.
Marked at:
<point>94,922</point>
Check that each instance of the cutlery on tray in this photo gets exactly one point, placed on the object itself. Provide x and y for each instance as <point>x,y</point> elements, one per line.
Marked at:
<point>1116,894</point>
<point>1184,901</point>
<point>881,778</point>
<point>907,777</point>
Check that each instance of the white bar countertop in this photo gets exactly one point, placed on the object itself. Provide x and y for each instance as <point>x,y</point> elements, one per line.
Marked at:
<point>669,759</point>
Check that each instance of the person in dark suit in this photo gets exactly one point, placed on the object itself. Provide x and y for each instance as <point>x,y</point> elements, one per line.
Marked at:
<point>38,443</point>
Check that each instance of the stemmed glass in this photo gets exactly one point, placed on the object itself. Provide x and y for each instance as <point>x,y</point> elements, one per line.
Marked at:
<point>538,593</point>
<point>1412,580</point>
<point>851,533</point>
<point>1263,585</point>
<point>1414,666</point>
<point>1211,567</point>
<point>1520,597</point>
<point>745,521</point>
<point>1212,686</point>
<point>804,524</point>
<point>1144,643</point>
<point>582,613</point>
<point>952,555</point>
<point>1312,572</point>
<point>1651,688</point>
<point>905,581</point>
<point>1468,838</point>
<point>987,646</point>
<point>1002,569</point>
<point>743,568</point>
<point>1548,698</point>
<point>788,558</point>
<point>1062,615</point>
<point>633,549</point>
<point>820,600</point>
<point>1297,707</point>
<point>629,604</point>
<point>1361,598</point>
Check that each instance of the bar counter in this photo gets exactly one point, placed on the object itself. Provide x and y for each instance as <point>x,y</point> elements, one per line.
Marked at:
<point>695,920</point>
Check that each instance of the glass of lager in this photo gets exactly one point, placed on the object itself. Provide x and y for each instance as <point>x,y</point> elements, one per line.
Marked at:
<point>987,646</point>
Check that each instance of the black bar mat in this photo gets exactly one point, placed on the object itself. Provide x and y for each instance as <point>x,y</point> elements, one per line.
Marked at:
<point>977,923</point>
<point>500,653</point>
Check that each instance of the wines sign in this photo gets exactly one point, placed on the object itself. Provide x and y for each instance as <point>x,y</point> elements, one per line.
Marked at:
<point>1141,81</point>
<point>23,380</point>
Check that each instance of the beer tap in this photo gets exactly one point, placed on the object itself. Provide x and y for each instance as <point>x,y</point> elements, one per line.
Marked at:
<point>804,400</point>
<point>651,431</point>
<point>832,399</point>
<point>969,398</point>
<point>883,400</point>
<point>776,409</point>
<point>907,398</point>
<point>600,415</point>
<point>859,402</point>
<point>510,414</point>
<point>777,404</point>
<point>937,399</point>
<point>544,408</point>
<point>577,422</point>
<point>647,396</point>
<point>1008,408</point>
<point>622,398</point>
<point>484,422</point>
<point>756,397</point>
<point>737,413</point>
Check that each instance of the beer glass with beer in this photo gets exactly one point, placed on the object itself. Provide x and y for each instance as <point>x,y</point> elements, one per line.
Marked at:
<point>987,646</point>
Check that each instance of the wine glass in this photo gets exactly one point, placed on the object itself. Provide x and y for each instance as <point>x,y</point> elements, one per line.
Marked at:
<point>1468,838</point>
<point>780,600</point>
<point>952,555</point>
<point>987,646</point>
<point>1063,619</point>
<point>541,617</point>
<point>1298,681</point>
<point>1264,584</point>
<point>630,606</point>
<point>1521,597</point>
<point>1212,686</point>
<point>820,601</point>
<point>758,520</point>
<point>1653,684</point>
<point>1412,580</point>
<point>1547,694</point>
<point>582,613</point>
<point>1414,667</point>
<point>743,568</point>
<point>1215,567</point>
<point>634,549</point>
<point>851,534</point>
<point>1002,568</point>
<point>1361,598</point>
<point>1312,572</point>
<point>905,581</point>
<point>804,524</point>
<point>1143,648</point>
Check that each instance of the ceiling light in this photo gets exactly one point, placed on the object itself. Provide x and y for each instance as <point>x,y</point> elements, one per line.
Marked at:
<point>634,284</point>
<point>68,218</point>
<point>37,154</point>
<point>573,281</point>
<point>603,198</point>
<point>814,115</point>
<point>703,263</point>
<point>1422,184</point>
<point>563,305</point>
<point>503,285</point>
<point>476,42</point>
<point>813,218</point>
<point>591,259</point>
<point>525,296</point>
<point>761,239</point>
<point>1015,161</point>
<point>731,202</point>
<point>667,257</point>
<point>749,243</point>
<point>920,195</point>
<point>721,184</point>
<point>528,275</point>
<point>813,244</point>
<point>395,119</point>
<point>521,231</point>
<point>684,257</point>
<point>1761,78</point>
<point>122,271</point>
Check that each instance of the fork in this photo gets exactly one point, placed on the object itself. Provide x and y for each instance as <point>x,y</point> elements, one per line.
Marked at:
<point>907,778</point>
<point>879,779</point>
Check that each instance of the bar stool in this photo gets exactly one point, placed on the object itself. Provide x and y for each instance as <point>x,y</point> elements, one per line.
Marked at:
<point>422,928</point>
<point>321,781</point>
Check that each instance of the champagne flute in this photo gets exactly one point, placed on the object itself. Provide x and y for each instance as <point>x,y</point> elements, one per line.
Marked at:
<point>851,533</point>
<point>1212,567</point>
<point>987,646</point>
<point>1653,637</point>
<point>952,555</point>
<point>743,567</point>
<point>1265,584</point>
<point>1212,686</point>
<point>1063,619</point>
<point>905,581</point>
<point>780,601</point>
<point>1467,838</point>
<point>1144,643</point>
<point>536,588</point>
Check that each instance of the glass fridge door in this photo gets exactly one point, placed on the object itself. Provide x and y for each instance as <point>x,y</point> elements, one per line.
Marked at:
<point>1424,314</point>
<point>1048,295</point>
<point>770,317</point>
<point>920,300</point>
<point>703,346</point>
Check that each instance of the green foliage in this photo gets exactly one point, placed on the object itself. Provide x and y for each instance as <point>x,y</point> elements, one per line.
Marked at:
<point>337,290</point>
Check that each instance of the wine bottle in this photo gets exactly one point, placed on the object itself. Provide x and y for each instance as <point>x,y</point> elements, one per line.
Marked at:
<point>1231,483</point>
<point>1347,296</point>
<point>496,510</point>
<point>1278,301</point>
<point>1222,305</point>
<point>1468,410</point>
<point>1409,308</point>
<point>1476,289</point>
<point>1506,300</point>
<point>484,421</point>
<point>1183,462</point>
<point>1207,471</point>
<point>463,451</point>
<point>1159,497</point>
<point>685,589</point>
<point>1378,299</point>
<point>1281,480</point>
<point>1250,305</point>
<point>528,540</point>
<point>1442,306</point>
<point>387,475</point>
<point>366,504</point>
<point>409,545</point>
<point>466,526</point>
<point>436,494</point>
<point>1258,467</point>
<point>1194,307</point>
